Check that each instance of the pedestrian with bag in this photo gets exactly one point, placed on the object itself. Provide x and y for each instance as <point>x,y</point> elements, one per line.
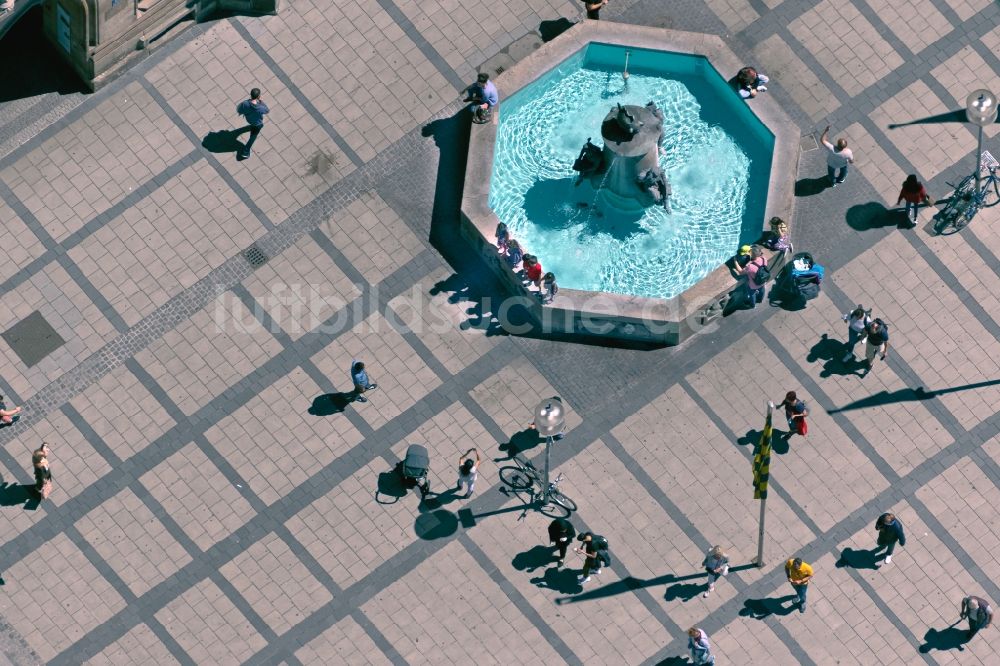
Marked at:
<point>43,473</point>
<point>756,273</point>
<point>795,414</point>
<point>914,193</point>
<point>979,613</point>
<point>361,382</point>
<point>890,532</point>
<point>699,647</point>
<point>595,554</point>
<point>799,574</point>
<point>254,110</point>
<point>857,320</point>
<point>717,565</point>
<point>561,533</point>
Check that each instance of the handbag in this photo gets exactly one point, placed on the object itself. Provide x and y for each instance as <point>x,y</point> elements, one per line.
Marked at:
<point>801,426</point>
<point>46,489</point>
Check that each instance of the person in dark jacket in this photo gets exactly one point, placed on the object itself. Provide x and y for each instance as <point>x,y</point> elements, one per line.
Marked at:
<point>979,613</point>
<point>561,533</point>
<point>595,555</point>
<point>890,532</point>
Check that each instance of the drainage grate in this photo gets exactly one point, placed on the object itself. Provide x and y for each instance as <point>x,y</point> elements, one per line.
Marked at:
<point>255,256</point>
<point>32,338</point>
<point>499,70</point>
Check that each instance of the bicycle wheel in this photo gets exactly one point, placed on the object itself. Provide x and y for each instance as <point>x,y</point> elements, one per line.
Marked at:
<point>515,478</point>
<point>991,192</point>
<point>553,510</point>
<point>557,497</point>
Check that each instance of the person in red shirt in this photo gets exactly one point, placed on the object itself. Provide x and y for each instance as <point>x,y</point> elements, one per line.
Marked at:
<point>533,270</point>
<point>914,193</point>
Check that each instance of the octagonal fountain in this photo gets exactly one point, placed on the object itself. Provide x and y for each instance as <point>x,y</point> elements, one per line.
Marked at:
<point>633,173</point>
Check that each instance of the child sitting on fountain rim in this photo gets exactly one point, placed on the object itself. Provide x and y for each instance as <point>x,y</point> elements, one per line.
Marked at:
<point>751,82</point>
<point>549,287</point>
<point>532,270</point>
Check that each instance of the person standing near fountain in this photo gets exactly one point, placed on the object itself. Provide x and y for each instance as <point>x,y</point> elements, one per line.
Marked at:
<point>549,287</point>
<point>594,8</point>
<point>837,158</point>
<point>533,270</point>
<point>756,274</point>
<point>483,95</point>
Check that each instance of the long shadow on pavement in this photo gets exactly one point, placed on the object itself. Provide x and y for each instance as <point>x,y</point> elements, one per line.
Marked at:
<point>857,559</point>
<point>631,584</point>
<point>329,404</point>
<point>873,215</point>
<point>533,558</point>
<point>907,395</point>
<point>831,352</point>
<point>759,609</point>
<point>949,638</point>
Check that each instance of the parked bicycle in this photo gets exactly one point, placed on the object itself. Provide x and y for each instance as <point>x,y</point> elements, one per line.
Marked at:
<point>966,201</point>
<point>549,500</point>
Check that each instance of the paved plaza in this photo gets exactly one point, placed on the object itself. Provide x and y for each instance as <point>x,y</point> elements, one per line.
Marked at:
<point>216,499</point>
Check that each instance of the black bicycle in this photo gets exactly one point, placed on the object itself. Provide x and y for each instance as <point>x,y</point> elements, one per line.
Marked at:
<point>550,500</point>
<point>966,201</point>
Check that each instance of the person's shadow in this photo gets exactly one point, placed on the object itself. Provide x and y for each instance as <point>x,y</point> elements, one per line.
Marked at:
<point>533,558</point>
<point>779,441</point>
<point>684,591</point>
<point>807,187</point>
<point>874,215</point>
<point>329,404</point>
<point>13,494</point>
<point>224,141</point>
<point>759,609</point>
<point>831,352</point>
<point>949,638</point>
<point>560,579</point>
<point>858,559</point>
<point>520,442</point>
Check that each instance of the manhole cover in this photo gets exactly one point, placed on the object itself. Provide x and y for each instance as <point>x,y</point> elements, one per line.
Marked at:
<point>255,256</point>
<point>32,338</point>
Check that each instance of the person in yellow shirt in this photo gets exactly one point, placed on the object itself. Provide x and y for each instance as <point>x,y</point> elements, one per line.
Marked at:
<point>799,574</point>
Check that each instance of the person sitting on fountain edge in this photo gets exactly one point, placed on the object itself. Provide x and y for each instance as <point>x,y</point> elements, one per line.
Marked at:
<point>736,262</point>
<point>483,95</point>
<point>751,82</point>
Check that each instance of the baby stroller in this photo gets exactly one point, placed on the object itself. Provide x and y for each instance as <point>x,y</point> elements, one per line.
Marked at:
<point>798,282</point>
<point>414,469</point>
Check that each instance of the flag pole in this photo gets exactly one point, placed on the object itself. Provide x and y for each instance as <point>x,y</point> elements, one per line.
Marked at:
<point>760,535</point>
<point>760,481</point>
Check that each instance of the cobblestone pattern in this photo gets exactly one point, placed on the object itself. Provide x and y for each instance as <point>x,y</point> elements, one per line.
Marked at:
<point>221,535</point>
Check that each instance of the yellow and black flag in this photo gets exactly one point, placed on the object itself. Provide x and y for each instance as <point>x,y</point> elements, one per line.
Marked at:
<point>762,461</point>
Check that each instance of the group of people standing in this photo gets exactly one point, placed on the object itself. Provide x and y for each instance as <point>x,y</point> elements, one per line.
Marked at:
<point>527,264</point>
<point>39,457</point>
<point>875,333</point>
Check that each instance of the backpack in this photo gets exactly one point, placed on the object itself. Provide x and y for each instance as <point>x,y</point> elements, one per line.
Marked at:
<point>605,557</point>
<point>763,274</point>
<point>599,542</point>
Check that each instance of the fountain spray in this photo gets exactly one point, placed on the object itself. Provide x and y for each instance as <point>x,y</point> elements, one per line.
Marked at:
<point>625,73</point>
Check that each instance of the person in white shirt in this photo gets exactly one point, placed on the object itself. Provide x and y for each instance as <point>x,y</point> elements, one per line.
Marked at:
<point>837,158</point>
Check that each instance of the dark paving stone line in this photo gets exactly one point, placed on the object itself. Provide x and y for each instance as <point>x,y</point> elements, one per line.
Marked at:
<point>901,48</point>
<point>67,264</point>
<point>819,397</point>
<point>687,527</point>
<point>773,485</point>
<point>86,103</point>
<point>262,316</point>
<point>985,254</point>
<point>957,550</point>
<point>527,611</point>
<point>901,368</point>
<point>224,173</point>
<point>300,97</point>
<point>425,47</point>
<point>938,89</point>
<point>378,638</point>
<point>169,524</point>
<point>258,526</point>
<point>939,267</point>
<point>889,614</point>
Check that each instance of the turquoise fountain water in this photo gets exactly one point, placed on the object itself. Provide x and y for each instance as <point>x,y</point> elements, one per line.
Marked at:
<point>601,246</point>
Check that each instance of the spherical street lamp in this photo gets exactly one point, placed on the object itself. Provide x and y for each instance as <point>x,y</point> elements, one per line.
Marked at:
<point>980,109</point>
<point>549,421</point>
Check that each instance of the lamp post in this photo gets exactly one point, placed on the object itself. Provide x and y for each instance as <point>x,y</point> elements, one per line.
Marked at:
<point>549,421</point>
<point>980,109</point>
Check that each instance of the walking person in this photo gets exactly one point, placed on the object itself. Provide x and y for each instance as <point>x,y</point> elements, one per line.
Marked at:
<point>914,192</point>
<point>876,342</point>
<point>890,532</point>
<point>799,574</point>
<point>361,382</point>
<point>595,555</point>
<point>717,565</point>
<point>468,471</point>
<point>254,110</point>
<point>857,320</point>
<point>979,613</point>
<point>43,473</point>
<point>699,647</point>
<point>561,533</point>
<point>795,414</point>
<point>837,158</point>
